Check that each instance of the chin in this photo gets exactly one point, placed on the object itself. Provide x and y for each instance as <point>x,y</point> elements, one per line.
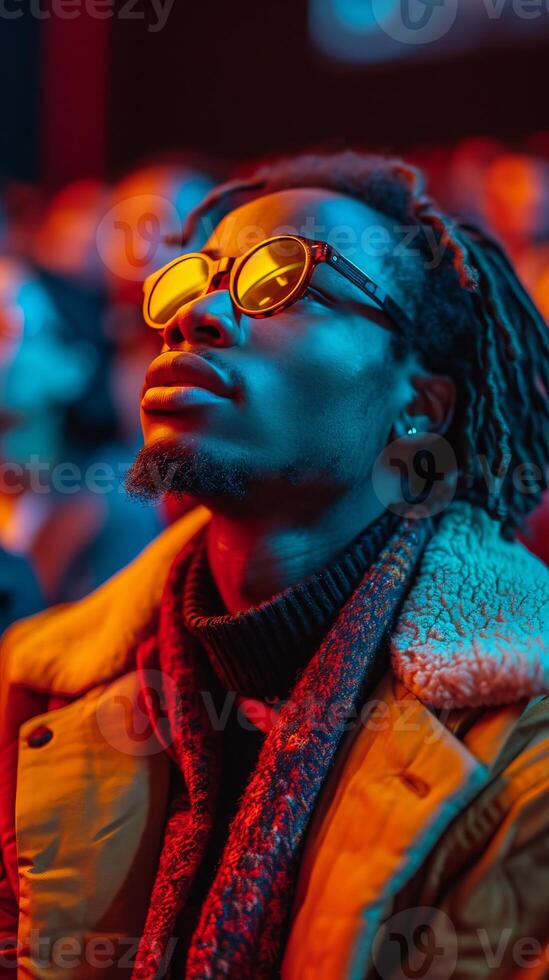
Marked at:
<point>174,460</point>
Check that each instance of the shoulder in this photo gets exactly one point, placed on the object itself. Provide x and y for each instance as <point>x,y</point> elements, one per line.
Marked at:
<point>75,646</point>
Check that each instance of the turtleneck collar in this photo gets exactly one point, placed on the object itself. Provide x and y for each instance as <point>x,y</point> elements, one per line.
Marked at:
<point>259,653</point>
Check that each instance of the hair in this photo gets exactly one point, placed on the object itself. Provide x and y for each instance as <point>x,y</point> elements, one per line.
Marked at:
<point>472,319</point>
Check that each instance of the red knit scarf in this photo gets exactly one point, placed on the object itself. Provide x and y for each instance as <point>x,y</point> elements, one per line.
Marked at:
<point>244,918</point>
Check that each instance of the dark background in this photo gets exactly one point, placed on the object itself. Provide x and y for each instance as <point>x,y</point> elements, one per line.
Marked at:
<point>90,97</point>
<point>242,77</point>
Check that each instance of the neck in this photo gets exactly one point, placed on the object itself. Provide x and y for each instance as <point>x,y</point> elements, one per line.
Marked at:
<point>252,557</point>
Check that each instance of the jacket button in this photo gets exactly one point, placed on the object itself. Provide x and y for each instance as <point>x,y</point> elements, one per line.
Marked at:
<point>39,736</point>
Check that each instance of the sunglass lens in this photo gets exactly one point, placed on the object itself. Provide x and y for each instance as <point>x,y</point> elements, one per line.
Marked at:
<point>270,275</point>
<point>179,284</point>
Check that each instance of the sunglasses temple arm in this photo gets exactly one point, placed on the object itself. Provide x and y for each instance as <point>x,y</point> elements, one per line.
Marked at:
<point>353,274</point>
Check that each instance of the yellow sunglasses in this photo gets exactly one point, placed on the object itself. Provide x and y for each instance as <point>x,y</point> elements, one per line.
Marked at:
<point>266,279</point>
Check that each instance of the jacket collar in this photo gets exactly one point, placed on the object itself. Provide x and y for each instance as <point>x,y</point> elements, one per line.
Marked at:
<point>473,629</point>
<point>69,649</point>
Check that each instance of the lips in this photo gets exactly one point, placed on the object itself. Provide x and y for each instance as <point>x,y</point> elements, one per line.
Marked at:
<point>178,382</point>
<point>186,370</point>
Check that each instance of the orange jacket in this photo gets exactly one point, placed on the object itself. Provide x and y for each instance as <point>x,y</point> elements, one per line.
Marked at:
<point>428,852</point>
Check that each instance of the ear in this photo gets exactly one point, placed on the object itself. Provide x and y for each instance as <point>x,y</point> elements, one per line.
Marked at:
<point>431,408</point>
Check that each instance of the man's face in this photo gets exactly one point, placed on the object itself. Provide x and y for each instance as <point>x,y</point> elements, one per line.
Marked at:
<point>311,393</point>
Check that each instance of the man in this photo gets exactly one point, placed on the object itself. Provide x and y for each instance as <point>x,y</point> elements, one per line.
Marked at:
<point>340,654</point>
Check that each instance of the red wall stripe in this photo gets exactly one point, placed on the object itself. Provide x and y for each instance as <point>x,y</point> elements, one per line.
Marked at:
<point>74,94</point>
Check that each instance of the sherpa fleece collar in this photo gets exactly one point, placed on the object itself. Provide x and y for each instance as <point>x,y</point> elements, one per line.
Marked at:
<point>474,628</point>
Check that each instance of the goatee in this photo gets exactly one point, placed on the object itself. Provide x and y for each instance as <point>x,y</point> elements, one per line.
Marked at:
<point>168,467</point>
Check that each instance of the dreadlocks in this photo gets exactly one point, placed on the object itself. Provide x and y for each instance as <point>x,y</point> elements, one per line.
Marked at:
<point>472,319</point>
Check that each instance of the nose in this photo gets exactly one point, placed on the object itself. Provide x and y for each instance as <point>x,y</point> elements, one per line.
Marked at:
<point>208,321</point>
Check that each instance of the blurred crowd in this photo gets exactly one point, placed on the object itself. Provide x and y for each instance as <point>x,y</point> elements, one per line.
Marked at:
<point>74,349</point>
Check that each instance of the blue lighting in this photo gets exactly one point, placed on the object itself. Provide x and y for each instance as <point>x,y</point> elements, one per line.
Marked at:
<point>357,15</point>
<point>348,30</point>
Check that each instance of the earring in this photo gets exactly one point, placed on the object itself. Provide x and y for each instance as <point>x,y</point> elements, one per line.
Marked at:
<point>412,431</point>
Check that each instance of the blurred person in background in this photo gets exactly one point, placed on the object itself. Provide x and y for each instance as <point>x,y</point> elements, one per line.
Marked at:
<point>313,715</point>
<point>65,240</point>
<point>56,408</point>
<point>20,594</point>
<point>80,332</point>
<point>66,250</point>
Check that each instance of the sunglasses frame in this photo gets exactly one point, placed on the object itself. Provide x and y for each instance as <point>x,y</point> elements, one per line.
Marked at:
<point>315,254</point>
